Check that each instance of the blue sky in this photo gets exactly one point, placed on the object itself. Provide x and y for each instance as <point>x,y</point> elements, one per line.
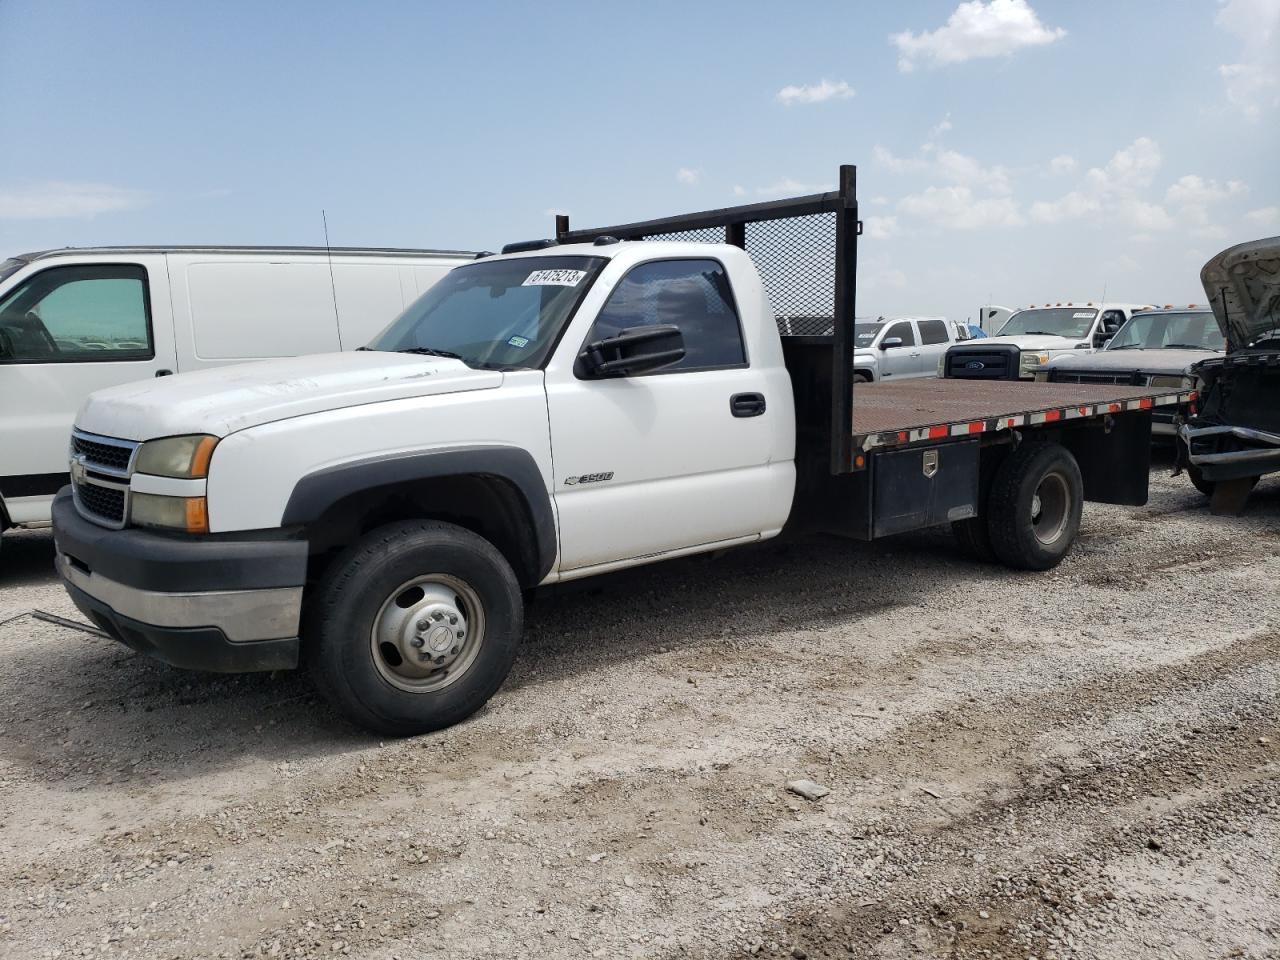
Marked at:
<point>1014,151</point>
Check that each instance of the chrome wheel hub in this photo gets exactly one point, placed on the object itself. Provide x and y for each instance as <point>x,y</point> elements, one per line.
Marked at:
<point>427,633</point>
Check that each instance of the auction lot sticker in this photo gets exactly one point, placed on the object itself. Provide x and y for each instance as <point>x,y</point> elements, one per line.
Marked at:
<point>554,278</point>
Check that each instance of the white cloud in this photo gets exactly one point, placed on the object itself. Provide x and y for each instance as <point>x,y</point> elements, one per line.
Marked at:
<point>957,208</point>
<point>688,176</point>
<point>939,129</point>
<point>1192,196</point>
<point>975,30</point>
<point>880,228</point>
<point>1062,164</point>
<point>739,190</point>
<point>966,171</point>
<point>1264,216</point>
<point>1112,192</point>
<point>1072,206</point>
<point>818,92</point>
<point>877,273</point>
<point>1253,82</point>
<point>887,158</point>
<point>879,200</point>
<point>56,199</point>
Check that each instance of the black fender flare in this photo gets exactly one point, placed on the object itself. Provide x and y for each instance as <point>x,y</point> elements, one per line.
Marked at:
<point>317,492</point>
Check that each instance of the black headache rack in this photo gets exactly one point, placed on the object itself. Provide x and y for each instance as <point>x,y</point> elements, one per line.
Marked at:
<point>806,252</point>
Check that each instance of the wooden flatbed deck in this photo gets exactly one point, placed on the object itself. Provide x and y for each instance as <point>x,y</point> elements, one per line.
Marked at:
<point>889,414</point>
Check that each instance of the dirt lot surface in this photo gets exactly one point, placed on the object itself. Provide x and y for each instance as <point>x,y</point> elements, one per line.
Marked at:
<point>1076,764</point>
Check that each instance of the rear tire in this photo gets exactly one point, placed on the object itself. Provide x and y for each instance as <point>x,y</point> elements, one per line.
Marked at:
<point>860,377</point>
<point>1035,505</point>
<point>1199,482</point>
<point>414,627</point>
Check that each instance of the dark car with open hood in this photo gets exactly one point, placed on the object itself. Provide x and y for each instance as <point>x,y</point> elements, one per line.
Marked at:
<point>1235,437</point>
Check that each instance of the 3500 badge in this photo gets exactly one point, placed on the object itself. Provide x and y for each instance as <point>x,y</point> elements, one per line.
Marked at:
<point>588,478</point>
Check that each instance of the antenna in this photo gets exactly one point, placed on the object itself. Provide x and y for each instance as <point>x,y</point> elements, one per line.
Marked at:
<point>333,287</point>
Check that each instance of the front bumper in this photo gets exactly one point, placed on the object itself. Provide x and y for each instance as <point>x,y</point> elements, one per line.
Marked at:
<point>1223,452</point>
<point>207,603</point>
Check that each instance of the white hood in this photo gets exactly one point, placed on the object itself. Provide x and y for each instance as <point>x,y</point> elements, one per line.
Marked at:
<point>1037,341</point>
<point>226,399</point>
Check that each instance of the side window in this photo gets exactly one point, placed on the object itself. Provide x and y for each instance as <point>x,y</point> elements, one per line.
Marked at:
<point>80,314</point>
<point>692,294</point>
<point>933,331</point>
<point>901,329</point>
<point>1111,320</point>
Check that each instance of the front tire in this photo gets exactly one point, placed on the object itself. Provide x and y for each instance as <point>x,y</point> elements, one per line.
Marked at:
<point>1035,504</point>
<point>414,627</point>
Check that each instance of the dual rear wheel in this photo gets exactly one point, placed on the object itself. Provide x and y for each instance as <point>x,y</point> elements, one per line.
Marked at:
<point>1031,513</point>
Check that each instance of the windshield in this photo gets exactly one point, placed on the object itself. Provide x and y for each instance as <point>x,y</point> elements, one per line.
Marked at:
<point>864,333</point>
<point>1055,321</point>
<point>1169,331</point>
<point>494,314</point>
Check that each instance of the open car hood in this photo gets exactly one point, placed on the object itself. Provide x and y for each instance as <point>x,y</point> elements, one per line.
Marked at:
<point>1243,287</point>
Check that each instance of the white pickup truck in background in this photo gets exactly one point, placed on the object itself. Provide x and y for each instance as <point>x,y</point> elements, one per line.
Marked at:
<point>571,407</point>
<point>1041,333</point>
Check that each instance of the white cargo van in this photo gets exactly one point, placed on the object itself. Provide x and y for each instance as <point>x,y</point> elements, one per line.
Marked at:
<point>73,321</point>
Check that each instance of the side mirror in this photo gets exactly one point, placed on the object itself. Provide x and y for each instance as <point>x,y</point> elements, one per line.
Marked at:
<point>888,343</point>
<point>634,350</point>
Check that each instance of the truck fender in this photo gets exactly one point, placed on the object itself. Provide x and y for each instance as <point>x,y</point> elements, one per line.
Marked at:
<point>316,492</point>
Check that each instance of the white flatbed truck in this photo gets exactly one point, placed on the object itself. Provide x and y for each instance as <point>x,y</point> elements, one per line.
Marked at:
<point>609,398</point>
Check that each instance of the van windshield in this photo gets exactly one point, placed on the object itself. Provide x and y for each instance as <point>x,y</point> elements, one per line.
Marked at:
<point>499,314</point>
<point>1170,331</point>
<point>1069,322</point>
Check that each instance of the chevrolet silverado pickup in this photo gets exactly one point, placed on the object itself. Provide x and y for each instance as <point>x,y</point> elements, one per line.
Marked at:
<point>607,398</point>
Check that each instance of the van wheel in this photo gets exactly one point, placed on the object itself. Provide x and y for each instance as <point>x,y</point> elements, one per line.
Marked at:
<point>1198,481</point>
<point>974,537</point>
<point>414,627</point>
<point>1034,507</point>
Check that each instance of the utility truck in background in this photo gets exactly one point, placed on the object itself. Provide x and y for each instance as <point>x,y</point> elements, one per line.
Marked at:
<point>604,399</point>
<point>1042,333</point>
<point>76,320</point>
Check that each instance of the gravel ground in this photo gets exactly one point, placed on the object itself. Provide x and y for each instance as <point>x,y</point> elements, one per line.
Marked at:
<point>1076,764</point>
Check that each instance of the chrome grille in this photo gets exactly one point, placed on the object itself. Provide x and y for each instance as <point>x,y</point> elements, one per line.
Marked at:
<point>100,470</point>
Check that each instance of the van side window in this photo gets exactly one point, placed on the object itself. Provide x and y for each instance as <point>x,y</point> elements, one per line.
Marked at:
<point>932,331</point>
<point>78,314</point>
<point>902,330</point>
<point>692,294</point>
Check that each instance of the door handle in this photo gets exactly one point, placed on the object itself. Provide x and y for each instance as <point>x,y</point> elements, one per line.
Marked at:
<point>164,373</point>
<point>746,404</point>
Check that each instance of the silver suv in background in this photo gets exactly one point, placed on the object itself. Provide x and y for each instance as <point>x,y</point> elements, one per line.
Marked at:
<point>899,348</point>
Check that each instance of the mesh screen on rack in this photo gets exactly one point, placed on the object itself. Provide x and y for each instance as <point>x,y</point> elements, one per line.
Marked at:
<point>797,263</point>
<point>701,235</point>
<point>796,260</point>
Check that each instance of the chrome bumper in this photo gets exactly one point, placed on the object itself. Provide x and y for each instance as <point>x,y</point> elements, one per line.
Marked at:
<point>243,616</point>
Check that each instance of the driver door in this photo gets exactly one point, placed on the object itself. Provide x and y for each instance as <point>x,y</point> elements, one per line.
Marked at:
<point>900,363</point>
<point>673,458</point>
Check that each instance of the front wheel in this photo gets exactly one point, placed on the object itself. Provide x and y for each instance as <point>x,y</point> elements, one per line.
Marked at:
<point>1035,505</point>
<point>414,627</point>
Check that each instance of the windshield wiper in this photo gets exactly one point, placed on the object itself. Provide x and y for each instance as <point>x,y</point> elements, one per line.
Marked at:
<point>432,352</point>
<point>1185,346</point>
<point>1127,346</point>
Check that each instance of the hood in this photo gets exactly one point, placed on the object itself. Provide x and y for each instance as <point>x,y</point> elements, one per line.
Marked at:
<point>1037,341</point>
<point>1243,287</point>
<point>226,399</point>
<point>1148,361</point>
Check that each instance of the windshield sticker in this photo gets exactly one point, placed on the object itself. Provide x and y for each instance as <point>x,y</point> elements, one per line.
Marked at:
<point>554,278</point>
<point>520,342</point>
<point>1085,315</point>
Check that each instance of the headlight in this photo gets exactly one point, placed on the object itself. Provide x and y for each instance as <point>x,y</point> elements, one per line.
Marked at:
<point>1168,381</point>
<point>182,457</point>
<point>189,514</point>
<point>1033,359</point>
